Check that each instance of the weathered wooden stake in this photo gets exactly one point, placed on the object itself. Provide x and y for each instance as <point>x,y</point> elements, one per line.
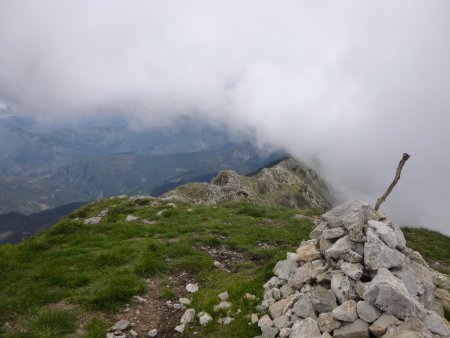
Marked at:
<point>394,182</point>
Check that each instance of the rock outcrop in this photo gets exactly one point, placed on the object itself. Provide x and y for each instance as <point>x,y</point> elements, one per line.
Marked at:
<point>288,183</point>
<point>354,278</point>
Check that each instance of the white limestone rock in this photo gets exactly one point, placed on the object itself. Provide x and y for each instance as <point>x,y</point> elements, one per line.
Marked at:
<point>152,333</point>
<point>204,318</point>
<point>353,270</point>
<point>390,295</point>
<point>346,312</point>
<point>349,213</point>
<point>285,269</point>
<point>131,218</point>
<point>282,322</point>
<point>323,300</point>
<point>224,305</point>
<point>223,296</point>
<point>121,325</point>
<point>265,321</point>
<point>308,251</point>
<point>306,273</point>
<point>367,312</point>
<point>340,247</point>
<point>379,255</point>
<point>327,323</point>
<point>434,323</point>
<point>305,328</point>
<point>342,286</point>
<point>192,288</point>
<point>357,329</point>
<point>385,233</point>
<point>188,316</point>
<point>180,328</point>
<point>92,220</point>
<point>379,327</point>
<point>315,234</point>
<point>333,233</point>
<point>276,309</point>
<point>303,308</point>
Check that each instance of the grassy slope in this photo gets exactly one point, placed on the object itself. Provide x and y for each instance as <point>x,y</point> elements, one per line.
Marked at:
<point>434,246</point>
<point>100,267</point>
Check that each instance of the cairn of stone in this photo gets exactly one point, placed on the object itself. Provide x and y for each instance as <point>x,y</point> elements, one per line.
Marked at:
<point>355,278</point>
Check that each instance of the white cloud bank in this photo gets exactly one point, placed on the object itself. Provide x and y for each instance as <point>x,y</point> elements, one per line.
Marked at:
<point>351,83</point>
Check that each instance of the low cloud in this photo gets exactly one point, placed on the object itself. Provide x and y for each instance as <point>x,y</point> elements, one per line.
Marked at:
<point>349,86</point>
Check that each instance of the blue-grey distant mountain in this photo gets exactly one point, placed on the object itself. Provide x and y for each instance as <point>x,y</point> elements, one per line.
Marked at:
<point>125,173</point>
<point>14,226</point>
<point>31,148</point>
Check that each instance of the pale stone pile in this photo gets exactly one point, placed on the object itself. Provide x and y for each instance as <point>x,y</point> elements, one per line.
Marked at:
<point>354,278</point>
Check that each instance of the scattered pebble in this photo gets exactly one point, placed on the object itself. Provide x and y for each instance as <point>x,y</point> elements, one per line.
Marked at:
<point>159,213</point>
<point>227,320</point>
<point>222,306</point>
<point>249,296</point>
<point>180,328</point>
<point>254,318</point>
<point>121,325</point>
<point>204,318</point>
<point>185,301</point>
<point>191,288</point>
<point>224,295</point>
<point>131,218</point>
<point>153,333</point>
<point>178,306</point>
<point>92,220</point>
<point>139,299</point>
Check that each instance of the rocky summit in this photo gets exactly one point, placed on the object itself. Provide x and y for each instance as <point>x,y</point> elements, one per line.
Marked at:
<point>288,183</point>
<point>354,278</point>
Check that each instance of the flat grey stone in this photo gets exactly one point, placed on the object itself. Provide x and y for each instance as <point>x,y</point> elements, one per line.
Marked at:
<point>379,327</point>
<point>333,233</point>
<point>324,300</point>
<point>353,270</point>
<point>306,273</point>
<point>282,322</point>
<point>379,255</point>
<point>340,247</point>
<point>121,325</point>
<point>385,233</point>
<point>435,324</point>
<point>327,323</point>
<point>349,213</point>
<point>346,312</point>
<point>342,286</point>
<point>303,308</point>
<point>357,329</point>
<point>367,312</point>
<point>390,295</point>
<point>305,328</point>
<point>285,269</point>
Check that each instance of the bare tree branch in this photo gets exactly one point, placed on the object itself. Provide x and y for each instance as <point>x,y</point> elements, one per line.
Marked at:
<point>394,182</point>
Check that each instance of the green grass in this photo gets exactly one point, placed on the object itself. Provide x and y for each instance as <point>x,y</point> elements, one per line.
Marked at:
<point>47,324</point>
<point>434,246</point>
<point>100,267</point>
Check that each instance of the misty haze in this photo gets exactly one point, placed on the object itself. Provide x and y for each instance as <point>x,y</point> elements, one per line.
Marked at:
<point>136,113</point>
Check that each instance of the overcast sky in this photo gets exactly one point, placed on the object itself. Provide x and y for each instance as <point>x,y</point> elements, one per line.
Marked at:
<point>351,84</point>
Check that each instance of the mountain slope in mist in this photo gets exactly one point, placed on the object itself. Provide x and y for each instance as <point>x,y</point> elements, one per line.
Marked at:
<point>126,173</point>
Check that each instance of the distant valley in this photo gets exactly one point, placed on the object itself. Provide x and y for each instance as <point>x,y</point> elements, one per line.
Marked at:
<point>46,171</point>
